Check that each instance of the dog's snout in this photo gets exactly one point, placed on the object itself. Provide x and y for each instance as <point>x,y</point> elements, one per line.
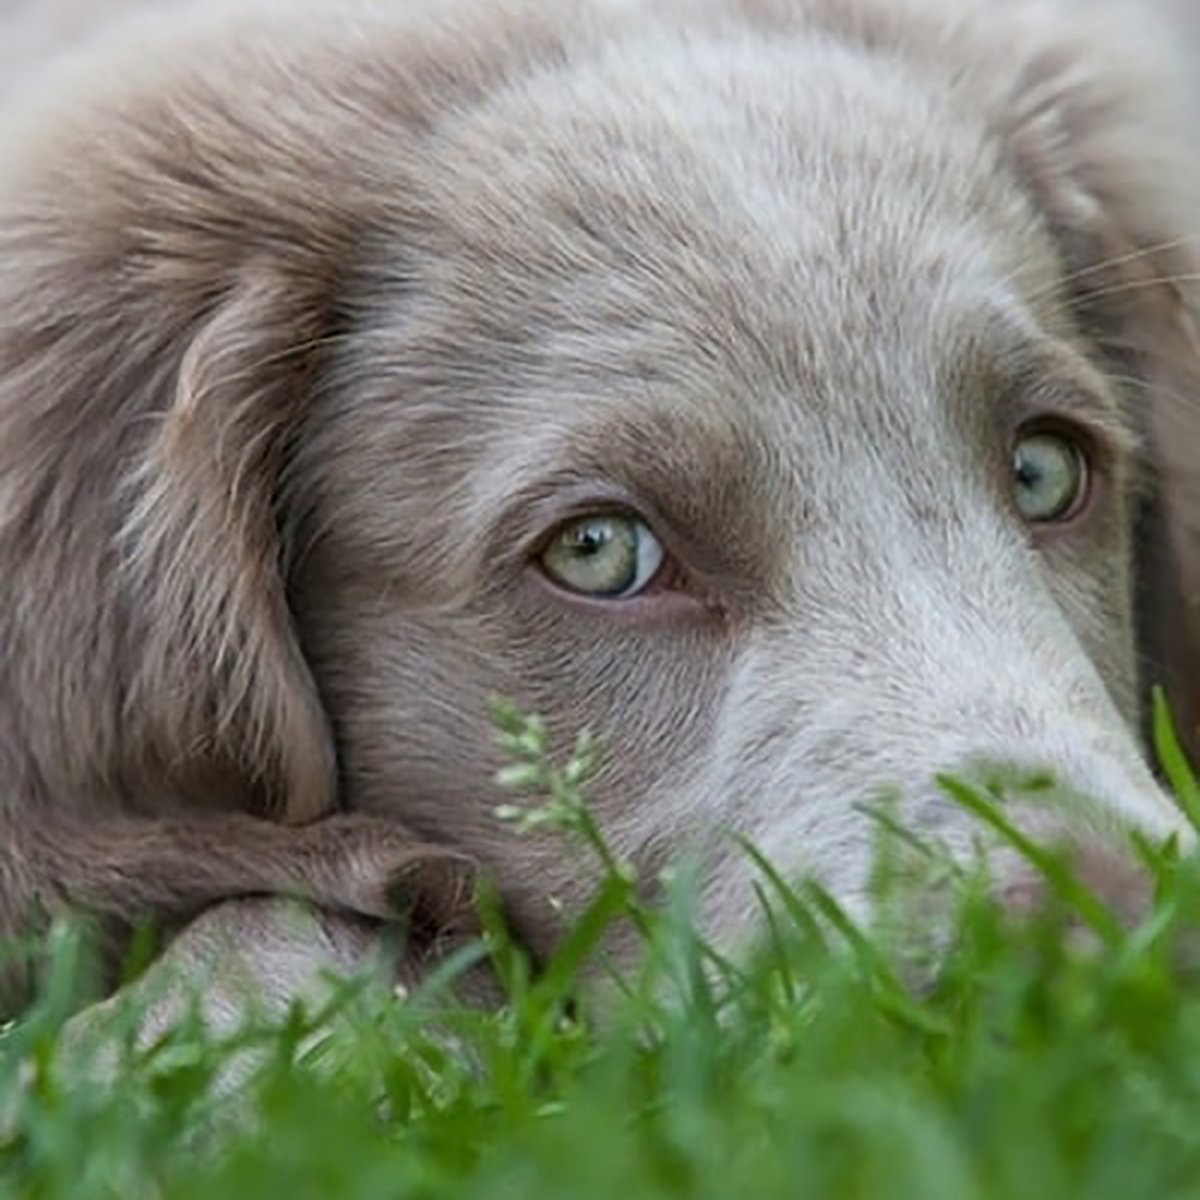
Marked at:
<point>1109,875</point>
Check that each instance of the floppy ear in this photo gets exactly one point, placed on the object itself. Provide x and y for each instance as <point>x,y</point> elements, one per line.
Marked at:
<point>1104,143</point>
<point>161,313</point>
<point>1170,545</point>
<point>201,544</point>
<point>150,621</point>
<point>175,226</point>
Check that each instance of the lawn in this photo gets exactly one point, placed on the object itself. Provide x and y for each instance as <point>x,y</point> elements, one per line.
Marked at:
<point>1027,1065</point>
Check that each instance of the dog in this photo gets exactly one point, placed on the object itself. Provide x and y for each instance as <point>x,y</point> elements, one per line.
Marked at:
<point>801,395</point>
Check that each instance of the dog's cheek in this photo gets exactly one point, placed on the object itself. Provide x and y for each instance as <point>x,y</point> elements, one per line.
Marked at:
<point>1091,581</point>
<point>409,697</point>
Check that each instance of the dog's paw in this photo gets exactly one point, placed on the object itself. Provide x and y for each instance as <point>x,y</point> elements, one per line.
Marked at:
<point>380,869</point>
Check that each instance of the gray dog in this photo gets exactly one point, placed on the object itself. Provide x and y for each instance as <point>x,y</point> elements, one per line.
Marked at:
<point>800,394</point>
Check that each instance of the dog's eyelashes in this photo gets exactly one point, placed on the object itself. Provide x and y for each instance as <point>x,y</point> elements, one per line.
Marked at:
<point>606,556</point>
<point>1051,476</point>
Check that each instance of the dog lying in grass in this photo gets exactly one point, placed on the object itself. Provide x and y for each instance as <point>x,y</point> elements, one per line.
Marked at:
<point>798,394</point>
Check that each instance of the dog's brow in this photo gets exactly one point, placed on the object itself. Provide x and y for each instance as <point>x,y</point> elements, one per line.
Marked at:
<point>1081,404</point>
<point>1056,381</point>
<point>694,473</point>
<point>1029,374</point>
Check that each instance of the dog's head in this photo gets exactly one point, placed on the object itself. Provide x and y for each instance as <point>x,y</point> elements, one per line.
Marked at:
<point>796,394</point>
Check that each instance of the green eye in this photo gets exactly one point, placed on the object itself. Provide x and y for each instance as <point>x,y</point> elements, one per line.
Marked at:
<point>610,556</point>
<point>1050,476</point>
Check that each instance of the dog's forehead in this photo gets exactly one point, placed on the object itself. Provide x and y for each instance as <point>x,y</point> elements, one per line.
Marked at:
<point>725,235</point>
<point>731,162</point>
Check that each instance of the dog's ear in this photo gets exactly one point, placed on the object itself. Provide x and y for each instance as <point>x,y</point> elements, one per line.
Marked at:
<point>164,299</point>
<point>142,546</point>
<point>1103,141</point>
<point>178,215</point>
<point>201,549</point>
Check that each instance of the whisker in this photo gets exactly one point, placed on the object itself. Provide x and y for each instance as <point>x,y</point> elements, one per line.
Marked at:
<point>1130,285</point>
<point>1118,260</point>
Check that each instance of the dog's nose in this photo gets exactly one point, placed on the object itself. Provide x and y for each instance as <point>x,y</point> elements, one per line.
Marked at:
<point>1112,877</point>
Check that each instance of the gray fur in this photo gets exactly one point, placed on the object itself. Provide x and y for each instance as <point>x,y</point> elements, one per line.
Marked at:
<point>314,324</point>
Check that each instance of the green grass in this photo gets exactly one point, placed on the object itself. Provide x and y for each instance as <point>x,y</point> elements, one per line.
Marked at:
<point>1028,1068</point>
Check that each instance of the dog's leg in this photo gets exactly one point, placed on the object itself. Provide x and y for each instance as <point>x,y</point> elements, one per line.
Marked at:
<point>241,960</point>
<point>251,961</point>
<point>127,870</point>
<point>134,866</point>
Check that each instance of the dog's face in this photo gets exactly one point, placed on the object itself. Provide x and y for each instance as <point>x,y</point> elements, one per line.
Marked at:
<point>768,393</point>
<point>724,399</point>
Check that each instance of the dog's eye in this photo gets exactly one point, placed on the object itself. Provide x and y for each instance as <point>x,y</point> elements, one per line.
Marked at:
<point>608,556</point>
<point>1050,476</point>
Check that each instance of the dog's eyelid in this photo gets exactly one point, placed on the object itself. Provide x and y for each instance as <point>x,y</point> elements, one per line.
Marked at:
<point>532,514</point>
<point>1049,380</point>
<point>1090,416</point>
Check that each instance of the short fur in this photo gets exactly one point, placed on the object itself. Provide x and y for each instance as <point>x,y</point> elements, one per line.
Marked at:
<point>316,319</point>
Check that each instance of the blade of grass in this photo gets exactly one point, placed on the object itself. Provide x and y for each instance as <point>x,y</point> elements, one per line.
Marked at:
<point>1170,755</point>
<point>1057,874</point>
<point>891,993</point>
<point>796,909</point>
